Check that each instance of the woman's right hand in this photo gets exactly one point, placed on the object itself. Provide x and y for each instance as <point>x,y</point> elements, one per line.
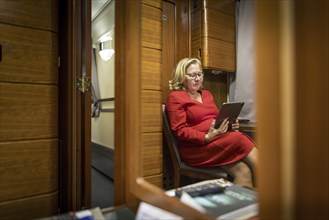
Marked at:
<point>213,132</point>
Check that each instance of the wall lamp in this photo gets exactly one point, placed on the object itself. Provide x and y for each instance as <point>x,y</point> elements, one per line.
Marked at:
<point>106,50</point>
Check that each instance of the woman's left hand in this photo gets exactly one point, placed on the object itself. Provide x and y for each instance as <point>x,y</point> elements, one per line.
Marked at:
<point>235,125</point>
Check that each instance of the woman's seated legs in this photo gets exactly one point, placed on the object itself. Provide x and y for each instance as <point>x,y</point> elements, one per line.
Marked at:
<point>251,161</point>
<point>241,173</point>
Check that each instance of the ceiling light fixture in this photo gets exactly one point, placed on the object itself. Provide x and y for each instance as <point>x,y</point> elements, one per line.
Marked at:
<point>106,50</point>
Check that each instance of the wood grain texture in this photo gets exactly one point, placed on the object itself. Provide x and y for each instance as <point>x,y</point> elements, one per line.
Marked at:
<point>29,146</point>
<point>154,3</point>
<point>151,64</point>
<point>151,111</point>
<point>151,69</point>
<point>217,54</point>
<point>168,43</point>
<point>225,6</point>
<point>182,30</point>
<point>151,27</point>
<point>28,111</point>
<point>28,168</point>
<point>28,55</point>
<point>152,153</point>
<point>213,34</point>
<point>196,27</point>
<point>218,25</point>
<point>30,208</point>
<point>155,180</point>
<point>40,14</point>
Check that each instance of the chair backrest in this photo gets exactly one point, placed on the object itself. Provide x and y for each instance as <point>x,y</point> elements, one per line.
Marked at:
<point>180,168</point>
<point>171,139</point>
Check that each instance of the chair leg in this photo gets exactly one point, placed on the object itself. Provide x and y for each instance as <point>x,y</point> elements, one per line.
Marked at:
<point>176,179</point>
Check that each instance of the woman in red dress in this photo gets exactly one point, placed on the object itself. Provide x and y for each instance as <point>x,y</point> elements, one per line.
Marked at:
<point>192,113</point>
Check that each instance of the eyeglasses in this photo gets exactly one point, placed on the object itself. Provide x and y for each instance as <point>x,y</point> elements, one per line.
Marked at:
<point>194,75</point>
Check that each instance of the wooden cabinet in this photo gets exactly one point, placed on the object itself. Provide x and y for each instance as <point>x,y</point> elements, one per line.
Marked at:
<point>213,34</point>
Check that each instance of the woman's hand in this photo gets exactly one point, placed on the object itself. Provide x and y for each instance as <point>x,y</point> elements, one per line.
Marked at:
<point>213,132</point>
<point>236,125</point>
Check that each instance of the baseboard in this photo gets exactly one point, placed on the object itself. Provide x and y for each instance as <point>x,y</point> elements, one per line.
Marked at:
<point>102,159</point>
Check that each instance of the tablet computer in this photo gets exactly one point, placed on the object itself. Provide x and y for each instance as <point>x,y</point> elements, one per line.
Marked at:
<point>230,110</point>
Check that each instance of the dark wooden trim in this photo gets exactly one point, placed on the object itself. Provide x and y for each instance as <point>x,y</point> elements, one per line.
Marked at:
<point>86,46</point>
<point>65,98</point>
<point>119,154</point>
<point>74,107</point>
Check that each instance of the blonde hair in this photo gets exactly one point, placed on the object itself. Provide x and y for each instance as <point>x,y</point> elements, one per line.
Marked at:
<point>178,74</point>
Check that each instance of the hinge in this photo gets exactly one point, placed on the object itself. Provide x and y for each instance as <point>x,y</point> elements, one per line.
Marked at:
<point>84,84</point>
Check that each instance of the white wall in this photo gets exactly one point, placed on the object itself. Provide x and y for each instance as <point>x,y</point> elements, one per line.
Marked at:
<point>102,127</point>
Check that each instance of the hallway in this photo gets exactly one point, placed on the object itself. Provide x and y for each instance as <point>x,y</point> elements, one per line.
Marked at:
<point>101,189</point>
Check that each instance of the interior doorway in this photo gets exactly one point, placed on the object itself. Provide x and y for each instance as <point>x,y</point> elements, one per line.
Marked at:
<point>103,98</point>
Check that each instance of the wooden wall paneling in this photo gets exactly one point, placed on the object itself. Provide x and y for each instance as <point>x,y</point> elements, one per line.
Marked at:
<point>152,154</point>
<point>151,46</point>
<point>151,27</point>
<point>182,30</point>
<point>28,168</point>
<point>196,28</point>
<point>151,111</point>
<point>28,55</point>
<point>28,111</point>
<point>169,47</point>
<point>129,136</point>
<point>38,14</point>
<point>151,133</point>
<point>151,69</point>
<point>176,39</point>
<point>32,208</point>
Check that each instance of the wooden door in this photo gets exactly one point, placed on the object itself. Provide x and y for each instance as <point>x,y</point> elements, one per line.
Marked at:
<point>75,104</point>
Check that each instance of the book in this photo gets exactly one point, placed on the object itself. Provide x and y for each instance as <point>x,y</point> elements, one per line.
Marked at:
<point>235,202</point>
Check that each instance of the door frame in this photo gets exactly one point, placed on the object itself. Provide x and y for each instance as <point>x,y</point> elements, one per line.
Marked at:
<point>74,106</point>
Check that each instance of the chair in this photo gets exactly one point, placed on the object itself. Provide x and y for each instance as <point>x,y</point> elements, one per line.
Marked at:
<point>180,168</point>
